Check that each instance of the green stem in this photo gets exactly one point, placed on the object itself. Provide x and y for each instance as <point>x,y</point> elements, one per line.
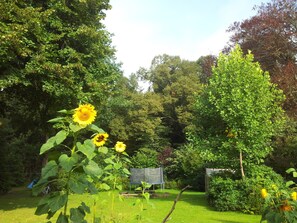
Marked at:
<point>67,193</point>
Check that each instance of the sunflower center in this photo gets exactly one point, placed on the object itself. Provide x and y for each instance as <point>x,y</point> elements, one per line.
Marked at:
<point>84,114</point>
<point>100,138</point>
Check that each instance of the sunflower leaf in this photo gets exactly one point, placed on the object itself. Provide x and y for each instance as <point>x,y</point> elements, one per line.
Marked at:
<point>58,119</point>
<point>87,149</point>
<point>75,128</point>
<point>93,169</point>
<point>50,169</point>
<point>95,128</point>
<point>67,162</point>
<point>103,150</point>
<point>53,141</point>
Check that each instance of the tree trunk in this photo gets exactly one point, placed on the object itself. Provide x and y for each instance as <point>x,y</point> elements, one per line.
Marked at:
<point>241,166</point>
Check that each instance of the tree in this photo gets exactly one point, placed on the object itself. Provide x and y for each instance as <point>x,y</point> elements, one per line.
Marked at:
<point>244,108</point>
<point>271,36</point>
<point>53,54</point>
<point>176,81</point>
<point>134,117</point>
<point>206,63</point>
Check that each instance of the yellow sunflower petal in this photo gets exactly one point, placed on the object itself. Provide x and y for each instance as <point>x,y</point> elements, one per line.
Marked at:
<point>84,114</point>
<point>120,147</point>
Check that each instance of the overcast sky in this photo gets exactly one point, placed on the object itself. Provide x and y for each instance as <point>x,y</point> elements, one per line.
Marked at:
<point>144,29</point>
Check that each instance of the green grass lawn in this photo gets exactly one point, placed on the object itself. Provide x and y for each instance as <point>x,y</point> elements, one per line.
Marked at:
<point>18,206</point>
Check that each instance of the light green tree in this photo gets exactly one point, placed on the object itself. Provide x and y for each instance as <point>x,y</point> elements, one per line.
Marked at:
<point>241,109</point>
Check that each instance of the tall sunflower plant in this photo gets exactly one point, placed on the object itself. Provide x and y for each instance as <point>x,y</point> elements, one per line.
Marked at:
<point>79,162</point>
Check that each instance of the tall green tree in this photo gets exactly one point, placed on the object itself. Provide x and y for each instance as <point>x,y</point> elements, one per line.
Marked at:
<point>134,117</point>
<point>244,108</point>
<point>271,36</point>
<point>176,81</point>
<point>53,54</point>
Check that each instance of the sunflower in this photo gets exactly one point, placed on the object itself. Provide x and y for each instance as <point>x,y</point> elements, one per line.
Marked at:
<point>120,147</point>
<point>84,114</point>
<point>100,139</point>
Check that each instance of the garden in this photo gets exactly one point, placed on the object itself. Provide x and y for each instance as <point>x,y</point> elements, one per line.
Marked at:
<point>74,130</point>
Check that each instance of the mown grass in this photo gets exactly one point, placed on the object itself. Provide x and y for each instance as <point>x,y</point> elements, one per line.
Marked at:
<point>18,206</point>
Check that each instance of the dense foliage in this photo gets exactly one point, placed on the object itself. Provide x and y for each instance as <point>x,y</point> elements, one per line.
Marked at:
<point>177,82</point>
<point>52,54</point>
<point>230,193</point>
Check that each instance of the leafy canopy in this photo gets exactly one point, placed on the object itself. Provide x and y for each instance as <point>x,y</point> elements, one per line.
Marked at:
<point>244,108</point>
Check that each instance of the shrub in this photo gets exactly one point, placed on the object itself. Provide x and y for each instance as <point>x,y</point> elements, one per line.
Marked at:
<point>187,167</point>
<point>145,158</point>
<point>231,194</point>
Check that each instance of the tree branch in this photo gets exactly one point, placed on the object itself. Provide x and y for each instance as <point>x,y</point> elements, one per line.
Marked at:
<point>174,203</point>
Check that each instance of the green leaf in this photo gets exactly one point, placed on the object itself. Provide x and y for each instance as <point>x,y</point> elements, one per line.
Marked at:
<point>77,186</point>
<point>39,187</point>
<point>85,207</point>
<point>92,188</point>
<point>87,149</point>
<point>93,169</point>
<point>62,218</point>
<point>50,143</point>
<point>290,170</point>
<point>126,171</point>
<point>60,137</point>
<point>75,128</point>
<point>58,119</point>
<point>108,167</point>
<point>95,128</point>
<point>42,209</point>
<point>119,187</point>
<point>64,111</point>
<point>77,215</point>
<point>58,201</point>
<point>50,214</point>
<point>109,160</point>
<point>117,166</point>
<point>50,170</point>
<point>290,183</point>
<point>104,186</point>
<point>53,141</point>
<point>103,150</point>
<point>67,162</point>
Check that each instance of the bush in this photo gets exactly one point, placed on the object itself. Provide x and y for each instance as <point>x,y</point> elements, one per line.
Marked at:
<point>187,167</point>
<point>229,194</point>
<point>145,158</point>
